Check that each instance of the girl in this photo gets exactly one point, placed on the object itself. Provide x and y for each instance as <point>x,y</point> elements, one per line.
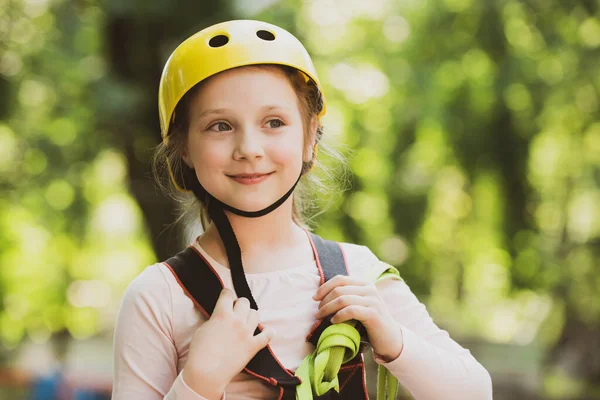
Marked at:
<point>237,315</point>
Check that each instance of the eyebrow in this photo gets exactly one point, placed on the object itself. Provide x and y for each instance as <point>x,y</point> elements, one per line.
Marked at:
<point>217,111</point>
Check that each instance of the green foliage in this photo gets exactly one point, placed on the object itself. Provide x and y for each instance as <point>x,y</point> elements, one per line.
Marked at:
<point>475,157</point>
<point>71,236</point>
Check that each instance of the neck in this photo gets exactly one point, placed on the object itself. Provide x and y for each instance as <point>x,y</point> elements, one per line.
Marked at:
<point>275,230</point>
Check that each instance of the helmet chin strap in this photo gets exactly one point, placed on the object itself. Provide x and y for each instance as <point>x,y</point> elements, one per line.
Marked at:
<point>234,254</point>
<point>255,214</point>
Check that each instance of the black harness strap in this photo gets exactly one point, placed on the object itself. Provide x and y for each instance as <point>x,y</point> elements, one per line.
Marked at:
<point>331,261</point>
<point>329,256</point>
<point>197,278</point>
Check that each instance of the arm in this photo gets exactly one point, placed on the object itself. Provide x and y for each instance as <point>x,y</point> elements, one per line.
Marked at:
<point>431,364</point>
<point>145,356</point>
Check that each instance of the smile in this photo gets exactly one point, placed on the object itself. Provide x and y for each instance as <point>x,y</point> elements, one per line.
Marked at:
<point>250,179</point>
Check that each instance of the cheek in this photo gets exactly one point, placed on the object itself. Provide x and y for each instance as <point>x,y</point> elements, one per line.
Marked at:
<point>288,150</point>
<point>208,156</point>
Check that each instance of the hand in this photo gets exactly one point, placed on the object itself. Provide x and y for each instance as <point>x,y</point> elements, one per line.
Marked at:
<point>347,298</point>
<point>223,345</point>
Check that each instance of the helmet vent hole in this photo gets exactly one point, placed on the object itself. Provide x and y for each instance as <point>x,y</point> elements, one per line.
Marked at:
<point>265,35</point>
<point>218,41</point>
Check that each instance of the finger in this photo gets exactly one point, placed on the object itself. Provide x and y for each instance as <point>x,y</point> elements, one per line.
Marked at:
<point>343,302</point>
<point>224,302</point>
<point>338,280</point>
<point>253,319</point>
<point>241,307</point>
<point>359,313</point>
<point>344,291</point>
<point>262,339</point>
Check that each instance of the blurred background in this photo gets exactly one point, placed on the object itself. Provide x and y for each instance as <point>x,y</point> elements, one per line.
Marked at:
<point>473,136</point>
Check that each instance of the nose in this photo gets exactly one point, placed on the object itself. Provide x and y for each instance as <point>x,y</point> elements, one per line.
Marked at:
<point>249,145</point>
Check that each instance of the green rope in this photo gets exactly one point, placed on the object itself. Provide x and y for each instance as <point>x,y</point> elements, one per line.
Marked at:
<point>338,344</point>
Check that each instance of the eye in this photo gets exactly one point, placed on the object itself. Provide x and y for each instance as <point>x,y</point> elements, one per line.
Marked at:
<point>221,127</point>
<point>275,123</point>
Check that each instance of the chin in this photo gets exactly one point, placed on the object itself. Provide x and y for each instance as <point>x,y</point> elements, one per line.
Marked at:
<point>251,206</point>
<point>252,201</point>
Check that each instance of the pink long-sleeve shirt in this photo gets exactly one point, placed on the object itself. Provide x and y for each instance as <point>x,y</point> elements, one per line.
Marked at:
<point>157,320</point>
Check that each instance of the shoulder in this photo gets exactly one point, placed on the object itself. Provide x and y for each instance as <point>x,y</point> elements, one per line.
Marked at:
<point>358,253</point>
<point>146,306</point>
<point>151,279</point>
<point>149,291</point>
<point>362,262</point>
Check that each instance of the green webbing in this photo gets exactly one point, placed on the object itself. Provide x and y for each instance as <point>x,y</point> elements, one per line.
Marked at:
<point>338,344</point>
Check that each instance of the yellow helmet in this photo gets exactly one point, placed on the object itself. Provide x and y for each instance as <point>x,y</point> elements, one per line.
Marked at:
<point>225,46</point>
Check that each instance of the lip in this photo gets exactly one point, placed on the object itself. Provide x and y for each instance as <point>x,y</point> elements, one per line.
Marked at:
<point>250,179</point>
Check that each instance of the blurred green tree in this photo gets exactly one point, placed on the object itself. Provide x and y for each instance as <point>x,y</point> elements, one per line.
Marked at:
<point>474,167</point>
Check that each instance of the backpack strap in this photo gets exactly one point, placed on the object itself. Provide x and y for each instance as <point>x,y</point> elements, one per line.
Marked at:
<point>202,285</point>
<point>331,261</point>
<point>197,278</point>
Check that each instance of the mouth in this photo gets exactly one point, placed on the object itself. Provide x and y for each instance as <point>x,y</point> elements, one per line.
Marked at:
<point>250,179</point>
<point>250,176</point>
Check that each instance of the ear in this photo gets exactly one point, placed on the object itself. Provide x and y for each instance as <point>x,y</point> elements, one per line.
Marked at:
<point>186,159</point>
<point>311,140</point>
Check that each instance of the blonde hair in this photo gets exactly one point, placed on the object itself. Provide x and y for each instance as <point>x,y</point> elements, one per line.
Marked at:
<point>310,102</point>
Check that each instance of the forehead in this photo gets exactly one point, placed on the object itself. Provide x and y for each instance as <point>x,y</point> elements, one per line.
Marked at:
<point>245,86</point>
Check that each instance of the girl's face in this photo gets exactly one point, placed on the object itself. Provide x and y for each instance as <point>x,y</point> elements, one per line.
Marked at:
<point>246,138</point>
